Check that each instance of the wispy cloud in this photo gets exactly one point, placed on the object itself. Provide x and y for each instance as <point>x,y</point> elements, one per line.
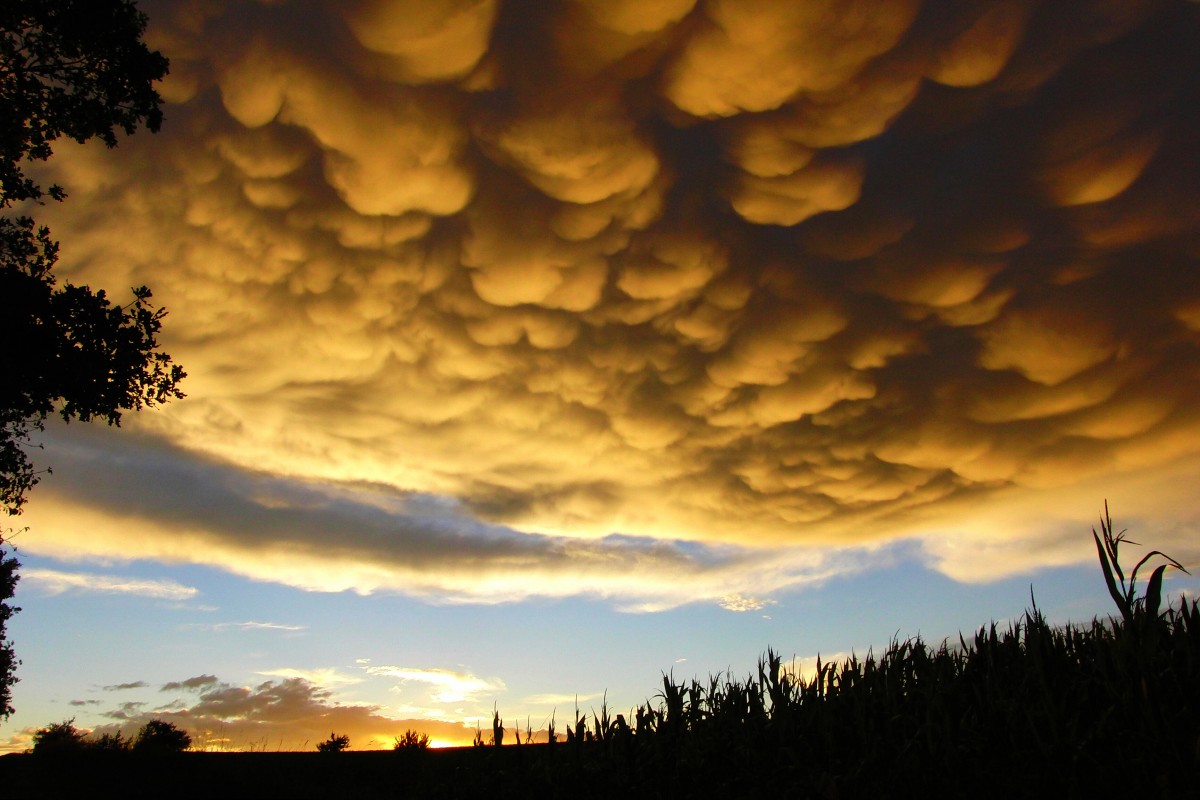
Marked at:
<point>201,607</point>
<point>219,627</point>
<point>57,582</point>
<point>120,687</point>
<point>448,686</point>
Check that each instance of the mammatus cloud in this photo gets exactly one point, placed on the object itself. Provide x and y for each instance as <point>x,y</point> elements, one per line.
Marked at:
<point>657,301</point>
<point>53,581</point>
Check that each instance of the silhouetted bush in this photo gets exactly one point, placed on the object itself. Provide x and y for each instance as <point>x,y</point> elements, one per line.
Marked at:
<point>110,743</point>
<point>334,744</point>
<point>159,736</point>
<point>411,740</point>
<point>59,737</point>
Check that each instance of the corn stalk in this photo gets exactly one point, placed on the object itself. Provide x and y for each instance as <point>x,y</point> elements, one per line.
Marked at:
<point>1124,592</point>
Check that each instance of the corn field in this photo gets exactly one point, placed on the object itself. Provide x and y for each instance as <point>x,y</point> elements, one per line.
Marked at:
<point>1031,710</point>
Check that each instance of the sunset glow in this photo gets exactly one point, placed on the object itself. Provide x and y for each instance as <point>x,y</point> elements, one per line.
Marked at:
<point>537,349</point>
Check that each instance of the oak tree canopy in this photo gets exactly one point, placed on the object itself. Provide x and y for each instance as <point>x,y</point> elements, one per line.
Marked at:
<point>74,69</point>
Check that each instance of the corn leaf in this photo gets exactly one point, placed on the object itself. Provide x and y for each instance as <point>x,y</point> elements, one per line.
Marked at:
<point>1117,597</point>
<point>1154,591</point>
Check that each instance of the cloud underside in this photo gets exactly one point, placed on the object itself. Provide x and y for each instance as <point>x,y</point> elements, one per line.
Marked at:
<point>465,288</point>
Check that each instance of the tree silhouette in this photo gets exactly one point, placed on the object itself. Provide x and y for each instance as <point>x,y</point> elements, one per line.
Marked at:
<point>59,737</point>
<point>78,352</point>
<point>160,736</point>
<point>76,69</point>
<point>8,661</point>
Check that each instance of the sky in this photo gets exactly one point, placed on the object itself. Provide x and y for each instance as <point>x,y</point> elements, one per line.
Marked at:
<point>536,350</point>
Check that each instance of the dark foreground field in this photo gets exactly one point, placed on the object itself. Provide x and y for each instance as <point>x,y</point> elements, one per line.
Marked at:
<point>544,771</point>
<point>1102,710</point>
<point>262,775</point>
<point>1035,711</point>
<point>1106,709</point>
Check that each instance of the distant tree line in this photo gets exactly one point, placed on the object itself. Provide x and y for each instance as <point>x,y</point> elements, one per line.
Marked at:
<point>156,736</point>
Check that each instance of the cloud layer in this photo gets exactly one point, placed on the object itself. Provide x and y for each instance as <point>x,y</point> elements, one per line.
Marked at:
<point>741,283</point>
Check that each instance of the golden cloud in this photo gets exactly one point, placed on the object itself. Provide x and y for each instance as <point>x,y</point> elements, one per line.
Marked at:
<point>626,283</point>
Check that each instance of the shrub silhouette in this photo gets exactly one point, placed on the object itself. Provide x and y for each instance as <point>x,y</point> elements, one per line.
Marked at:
<point>334,744</point>
<point>411,740</point>
<point>59,737</point>
<point>159,736</point>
